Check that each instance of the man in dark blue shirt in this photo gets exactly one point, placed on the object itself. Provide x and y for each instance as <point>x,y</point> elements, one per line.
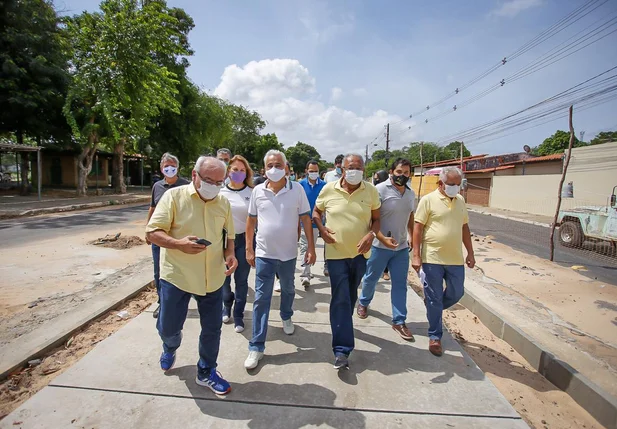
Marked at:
<point>312,185</point>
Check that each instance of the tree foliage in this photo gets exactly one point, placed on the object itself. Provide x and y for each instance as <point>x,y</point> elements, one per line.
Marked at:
<point>300,154</point>
<point>557,143</point>
<point>604,137</point>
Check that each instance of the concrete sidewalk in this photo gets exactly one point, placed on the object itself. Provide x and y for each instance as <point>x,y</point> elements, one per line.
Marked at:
<point>532,219</point>
<point>391,383</point>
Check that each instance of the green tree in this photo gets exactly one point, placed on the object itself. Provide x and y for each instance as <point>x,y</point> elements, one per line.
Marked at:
<point>557,143</point>
<point>300,154</point>
<point>454,149</point>
<point>246,138</point>
<point>604,137</point>
<point>265,143</point>
<point>33,76</point>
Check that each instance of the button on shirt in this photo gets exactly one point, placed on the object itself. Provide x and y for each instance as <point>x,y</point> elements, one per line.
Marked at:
<point>181,212</point>
<point>312,191</point>
<point>161,186</point>
<point>277,219</point>
<point>239,200</point>
<point>443,219</point>
<point>394,213</point>
<point>349,216</point>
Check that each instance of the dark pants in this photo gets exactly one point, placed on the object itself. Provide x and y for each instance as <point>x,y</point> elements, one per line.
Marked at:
<point>241,280</point>
<point>156,259</point>
<point>174,309</point>
<point>437,298</point>
<point>345,277</point>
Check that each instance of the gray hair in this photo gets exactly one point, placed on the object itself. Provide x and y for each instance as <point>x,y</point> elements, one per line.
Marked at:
<point>447,171</point>
<point>209,160</point>
<point>169,157</point>
<point>354,155</point>
<point>223,150</point>
<point>274,152</point>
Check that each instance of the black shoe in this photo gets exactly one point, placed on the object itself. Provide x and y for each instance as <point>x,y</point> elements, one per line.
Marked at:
<point>341,362</point>
<point>155,313</point>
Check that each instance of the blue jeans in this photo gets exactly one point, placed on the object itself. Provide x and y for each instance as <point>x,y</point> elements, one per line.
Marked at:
<point>241,280</point>
<point>345,277</point>
<point>437,298</point>
<point>397,261</point>
<point>156,259</point>
<point>174,309</point>
<point>265,269</point>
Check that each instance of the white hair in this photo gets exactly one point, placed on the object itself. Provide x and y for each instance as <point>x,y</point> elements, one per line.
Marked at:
<point>447,171</point>
<point>169,157</point>
<point>354,155</point>
<point>223,150</point>
<point>211,161</point>
<point>274,152</point>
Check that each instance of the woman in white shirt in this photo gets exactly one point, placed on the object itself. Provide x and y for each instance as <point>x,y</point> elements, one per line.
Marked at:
<point>238,192</point>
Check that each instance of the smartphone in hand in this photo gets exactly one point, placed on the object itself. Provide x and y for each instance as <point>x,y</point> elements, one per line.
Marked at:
<point>203,242</point>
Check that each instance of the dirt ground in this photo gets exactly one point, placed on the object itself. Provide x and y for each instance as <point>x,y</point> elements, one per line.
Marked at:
<point>120,243</point>
<point>18,388</point>
<point>540,403</point>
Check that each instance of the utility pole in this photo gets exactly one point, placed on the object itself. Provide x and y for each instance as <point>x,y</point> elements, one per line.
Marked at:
<point>461,156</point>
<point>582,134</point>
<point>366,155</point>
<point>421,170</point>
<point>387,144</point>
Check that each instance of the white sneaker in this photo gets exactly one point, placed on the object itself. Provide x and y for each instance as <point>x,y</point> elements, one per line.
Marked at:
<point>288,326</point>
<point>239,329</point>
<point>306,283</point>
<point>277,285</point>
<point>226,318</point>
<point>252,361</point>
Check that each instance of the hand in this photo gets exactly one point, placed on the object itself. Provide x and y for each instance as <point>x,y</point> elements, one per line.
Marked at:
<point>471,261</point>
<point>147,241</point>
<point>310,257</point>
<point>188,245</point>
<point>232,264</point>
<point>328,236</point>
<point>390,243</point>
<point>416,263</point>
<point>365,244</point>
<point>250,257</point>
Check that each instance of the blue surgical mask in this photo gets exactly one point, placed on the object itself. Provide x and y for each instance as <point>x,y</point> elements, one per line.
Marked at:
<point>339,170</point>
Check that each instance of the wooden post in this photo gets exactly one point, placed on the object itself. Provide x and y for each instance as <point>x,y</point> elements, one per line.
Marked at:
<point>39,173</point>
<point>421,170</point>
<point>563,178</point>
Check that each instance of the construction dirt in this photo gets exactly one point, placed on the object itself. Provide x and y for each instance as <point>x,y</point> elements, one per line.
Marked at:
<point>19,387</point>
<point>120,243</point>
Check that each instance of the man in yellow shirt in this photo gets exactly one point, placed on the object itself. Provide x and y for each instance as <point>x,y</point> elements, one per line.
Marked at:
<point>189,224</point>
<point>352,209</point>
<point>442,223</point>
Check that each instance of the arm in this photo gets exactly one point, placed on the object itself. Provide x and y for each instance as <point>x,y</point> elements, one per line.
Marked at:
<point>365,244</point>
<point>150,211</point>
<point>410,228</point>
<point>416,261</point>
<point>471,260</point>
<point>326,233</point>
<point>308,231</point>
<point>251,223</point>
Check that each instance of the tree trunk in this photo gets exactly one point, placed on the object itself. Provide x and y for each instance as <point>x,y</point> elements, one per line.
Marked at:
<point>84,167</point>
<point>118,168</point>
<point>25,160</point>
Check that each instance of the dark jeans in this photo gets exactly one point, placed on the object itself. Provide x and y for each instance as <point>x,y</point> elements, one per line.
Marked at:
<point>241,280</point>
<point>345,277</point>
<point>174,309</point>
<point>156,259</point>
<point>437,298</point>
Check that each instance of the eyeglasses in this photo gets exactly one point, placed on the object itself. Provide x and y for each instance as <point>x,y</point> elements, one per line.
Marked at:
<point>211,182</point>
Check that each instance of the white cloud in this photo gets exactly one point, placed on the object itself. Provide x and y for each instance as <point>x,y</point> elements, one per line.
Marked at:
<point>322,25</point>
<point>282,91</point>
<point>336,94</point>
<point>360,92</point>
<point>512,8</point>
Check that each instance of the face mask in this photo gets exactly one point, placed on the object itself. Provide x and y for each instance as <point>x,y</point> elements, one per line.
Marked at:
<point>313,176</point>
<point>292,177</point>
<point>452,190</point>
<point>208,191</point>
<point>170,171</point>
<point>353,177</point>
<point>400,180</point>
<point>339,171</point>
<point>237,176</point>
<point>275,174</point>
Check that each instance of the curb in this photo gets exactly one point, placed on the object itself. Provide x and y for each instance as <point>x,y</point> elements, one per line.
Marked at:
<point>12,214</point>
<point>601,405</point>
<point>516,219</point>
<point>55,340</point>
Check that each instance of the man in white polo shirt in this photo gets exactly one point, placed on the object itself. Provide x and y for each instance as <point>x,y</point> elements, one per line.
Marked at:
<point>276,207</point>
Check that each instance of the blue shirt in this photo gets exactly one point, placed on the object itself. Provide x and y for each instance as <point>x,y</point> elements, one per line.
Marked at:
<point>312,192</point>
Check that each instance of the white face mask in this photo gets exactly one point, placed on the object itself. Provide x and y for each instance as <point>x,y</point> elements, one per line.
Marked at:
<point>313,176</point>
<point>275,174</point>
<point>170,171</point>
<point>452,190</point>
<point>353,177</point>
<point>208,191</point>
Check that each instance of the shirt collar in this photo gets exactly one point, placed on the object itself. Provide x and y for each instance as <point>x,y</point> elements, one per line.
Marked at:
<point>390,184</point>
<point>337,185</point>
<point>191,188</point>
<point>287,187</point>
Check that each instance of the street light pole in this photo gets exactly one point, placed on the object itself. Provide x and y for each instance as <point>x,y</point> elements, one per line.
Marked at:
<point>387,144</point>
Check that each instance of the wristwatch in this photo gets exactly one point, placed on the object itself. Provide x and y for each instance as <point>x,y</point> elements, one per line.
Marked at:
<point>373,233</point>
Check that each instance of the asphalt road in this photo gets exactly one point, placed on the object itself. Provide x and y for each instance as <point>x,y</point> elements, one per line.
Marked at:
<point>534,240</point>
<point>27,230</point>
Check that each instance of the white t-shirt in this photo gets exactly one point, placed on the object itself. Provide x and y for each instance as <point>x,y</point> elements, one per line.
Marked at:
<point>277,220</point>
<point>239,200</point>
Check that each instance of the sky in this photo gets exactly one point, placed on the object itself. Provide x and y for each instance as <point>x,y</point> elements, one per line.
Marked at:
<point>333,73</point>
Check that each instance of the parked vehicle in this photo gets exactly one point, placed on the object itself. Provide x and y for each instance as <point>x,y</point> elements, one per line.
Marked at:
<point>598,224</point>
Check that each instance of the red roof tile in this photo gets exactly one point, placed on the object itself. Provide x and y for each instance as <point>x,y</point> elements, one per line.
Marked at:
<point>553,157</point>
<point>447,162</point>
<point>490,170</point>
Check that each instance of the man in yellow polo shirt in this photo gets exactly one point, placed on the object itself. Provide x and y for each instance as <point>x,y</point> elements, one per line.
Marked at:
<point>188,224</point>
<point>351,206</point>
<point>442,223</point>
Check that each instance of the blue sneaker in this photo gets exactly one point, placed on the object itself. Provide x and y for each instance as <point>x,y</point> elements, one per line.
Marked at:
<point>214,381</point>
<point>167,361</point>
